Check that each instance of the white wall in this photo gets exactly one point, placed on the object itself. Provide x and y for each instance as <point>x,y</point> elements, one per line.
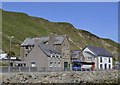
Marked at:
<point>87,49</point>
<point>105,60</point>
<point>86,55</point>
<point>97,59</point>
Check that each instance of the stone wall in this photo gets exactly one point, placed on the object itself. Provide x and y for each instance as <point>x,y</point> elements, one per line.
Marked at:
<point>62,77</point>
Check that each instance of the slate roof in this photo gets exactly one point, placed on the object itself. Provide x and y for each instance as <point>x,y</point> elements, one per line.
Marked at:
<point>28,41</point>
<point>99,51</point>
<point>47,49</point>
<point>31,41</point>
<point>75,51</point>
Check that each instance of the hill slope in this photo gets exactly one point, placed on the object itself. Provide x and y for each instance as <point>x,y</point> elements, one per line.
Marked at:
<point>22,25</point>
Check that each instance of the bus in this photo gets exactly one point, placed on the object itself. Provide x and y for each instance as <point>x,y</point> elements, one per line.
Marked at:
<point>78,65</point>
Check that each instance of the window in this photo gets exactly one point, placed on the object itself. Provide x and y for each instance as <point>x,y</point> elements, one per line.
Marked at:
<point>26,55</point>
<point>26,47</point>
<point>59,64</point>
<point>18,64</point>
<point>51,64</point>
<point>109,66</point>
<point>33,64</point>
<point>101,66</point>
<point>109,60</point>
<point>89,58</point>
<point>105,66</point>
<point>59,56</point>
<point>24,64</point>
<point>56,56</point>
<point>50,55</point>
<point>101,59</point>
<point>55,64</point>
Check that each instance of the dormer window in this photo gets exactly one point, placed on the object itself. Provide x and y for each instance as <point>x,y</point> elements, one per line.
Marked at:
<point>53,56</point>
<point>50,55</point>
<point>58,56</point>
<point>26,47</point>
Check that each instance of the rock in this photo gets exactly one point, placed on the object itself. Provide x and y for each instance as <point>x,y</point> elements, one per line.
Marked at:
<point>62,77</point>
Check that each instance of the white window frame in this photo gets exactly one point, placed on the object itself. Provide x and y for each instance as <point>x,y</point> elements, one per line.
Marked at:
<point>51,55</point>
<point>33,63</point>
<point>51,65</point>
<point>59,64</point>
<point>58,56</point>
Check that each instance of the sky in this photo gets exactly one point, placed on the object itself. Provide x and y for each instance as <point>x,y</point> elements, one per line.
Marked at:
<point>99,18</point>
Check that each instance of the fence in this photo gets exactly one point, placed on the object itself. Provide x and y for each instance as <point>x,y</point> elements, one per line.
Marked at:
<point>32,69</point>
<point>25,69</point>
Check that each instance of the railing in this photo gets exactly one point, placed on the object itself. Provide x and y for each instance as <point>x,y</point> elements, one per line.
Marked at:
<point>6,69</point>
<point>25,69</point>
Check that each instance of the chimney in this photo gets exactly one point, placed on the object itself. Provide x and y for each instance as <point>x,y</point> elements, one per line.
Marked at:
<point>51,39</point>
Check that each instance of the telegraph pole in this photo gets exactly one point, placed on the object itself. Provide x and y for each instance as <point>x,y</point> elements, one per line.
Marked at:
<point>11,37</point>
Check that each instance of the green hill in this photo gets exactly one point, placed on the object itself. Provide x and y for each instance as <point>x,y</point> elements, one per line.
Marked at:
<point>22,25</point>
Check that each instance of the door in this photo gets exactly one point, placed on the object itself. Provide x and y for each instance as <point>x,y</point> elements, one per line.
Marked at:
<point>65,66</point>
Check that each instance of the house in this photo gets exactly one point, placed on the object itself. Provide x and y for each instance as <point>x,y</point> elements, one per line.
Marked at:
<point>6,61</point>
<point>44,57</point>
<point>76,55</point>
<point>100,56</point>
<point>61,43</point>
<point>51,51</point>
<point>3,56</point>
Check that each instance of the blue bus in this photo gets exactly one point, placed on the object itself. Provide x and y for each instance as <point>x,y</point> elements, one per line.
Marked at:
<point>78,65</point>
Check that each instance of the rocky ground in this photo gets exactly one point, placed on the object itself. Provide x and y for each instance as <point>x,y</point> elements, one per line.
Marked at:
<point>62,77</point>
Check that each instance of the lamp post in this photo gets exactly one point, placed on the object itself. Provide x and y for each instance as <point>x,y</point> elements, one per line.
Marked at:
<point>11,37</point>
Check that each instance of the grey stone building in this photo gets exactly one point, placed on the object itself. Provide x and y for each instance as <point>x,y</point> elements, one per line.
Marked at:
<point>51,53</point>
<point>76,55</point>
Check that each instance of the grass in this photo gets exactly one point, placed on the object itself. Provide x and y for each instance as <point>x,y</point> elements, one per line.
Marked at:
<point>22,25</point>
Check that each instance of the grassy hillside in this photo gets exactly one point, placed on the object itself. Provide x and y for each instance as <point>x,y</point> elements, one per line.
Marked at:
<point>22,25</point>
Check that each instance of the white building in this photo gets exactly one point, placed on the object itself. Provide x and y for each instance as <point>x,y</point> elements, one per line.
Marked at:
<point>101,57</point>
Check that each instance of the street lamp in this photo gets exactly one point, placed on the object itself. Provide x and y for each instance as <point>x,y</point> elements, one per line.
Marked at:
<point>11,37</point>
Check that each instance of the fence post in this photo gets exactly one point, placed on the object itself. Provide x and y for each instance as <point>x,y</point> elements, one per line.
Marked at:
<point>19,69</point>
<point>29,69</point>
<point>38,69</point>
<point>9,69</point>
